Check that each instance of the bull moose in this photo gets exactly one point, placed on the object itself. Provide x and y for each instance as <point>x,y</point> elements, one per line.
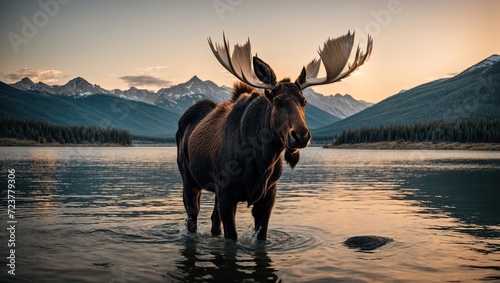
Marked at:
<point>235,148</point>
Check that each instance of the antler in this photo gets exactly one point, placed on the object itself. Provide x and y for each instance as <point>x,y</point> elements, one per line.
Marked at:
<point>239,64</point>
<point>334,56</point>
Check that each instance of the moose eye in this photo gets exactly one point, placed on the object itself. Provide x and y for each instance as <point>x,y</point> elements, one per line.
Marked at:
<point>304,101</point>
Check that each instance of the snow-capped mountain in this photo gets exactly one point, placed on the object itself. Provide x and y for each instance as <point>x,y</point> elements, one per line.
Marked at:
<point>183,95</point>
<point>179,97</point>
<point>27,84</point>
<point>341,106</point>
<point>76,86</point>
<point>80,86</point>
<point>483,65</point>
<point>24,84</point>
<point>43,88</point>
<point>136,94</point>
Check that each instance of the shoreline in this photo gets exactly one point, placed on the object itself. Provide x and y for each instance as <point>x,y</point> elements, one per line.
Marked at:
<point>370,146</point>
<point>8,142</point>
<point>419,146</point>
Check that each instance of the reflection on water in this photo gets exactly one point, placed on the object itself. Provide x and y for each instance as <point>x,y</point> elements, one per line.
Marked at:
<point>116,214</point>
<point>224,261</point>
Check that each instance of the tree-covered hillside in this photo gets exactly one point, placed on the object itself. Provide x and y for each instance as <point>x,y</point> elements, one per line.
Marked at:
<point>42,132</point>
<point>463,131</point>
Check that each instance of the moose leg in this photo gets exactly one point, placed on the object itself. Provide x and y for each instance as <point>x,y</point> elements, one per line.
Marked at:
<point>227,212</point>
<point>216,231</point>
<point>261,212</point>
<point>191,198</point>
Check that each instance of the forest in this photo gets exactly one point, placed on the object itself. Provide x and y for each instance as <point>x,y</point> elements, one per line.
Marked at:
<point>45,133</point>
<point>461,131</point>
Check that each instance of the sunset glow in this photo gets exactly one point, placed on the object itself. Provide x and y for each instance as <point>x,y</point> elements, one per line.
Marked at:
<point>155,44</point>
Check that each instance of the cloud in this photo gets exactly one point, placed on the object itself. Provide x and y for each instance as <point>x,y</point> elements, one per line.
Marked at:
<point>36,75</point>
<point>152,70</point>
<point>145,80</point>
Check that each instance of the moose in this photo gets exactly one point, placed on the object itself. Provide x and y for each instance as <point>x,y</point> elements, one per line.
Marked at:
<point>235,148</point>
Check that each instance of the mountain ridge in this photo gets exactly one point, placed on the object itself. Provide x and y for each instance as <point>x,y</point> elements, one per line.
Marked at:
<point>103,110</point>
<point>473,93</point>
<point>179,97</point>
<point>100,110</point>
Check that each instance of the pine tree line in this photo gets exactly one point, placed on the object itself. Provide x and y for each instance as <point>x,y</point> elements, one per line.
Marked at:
<point>43,132</point>
<point>462,131</point>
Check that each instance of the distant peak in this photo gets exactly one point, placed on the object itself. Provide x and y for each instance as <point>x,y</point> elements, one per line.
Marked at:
<point>486,63</point>
<point>338,95</point>
<point>195,79</point>
<point>27,80</point>
<point>23,84</point>
<point>493,58</point>
<point>78,79</point>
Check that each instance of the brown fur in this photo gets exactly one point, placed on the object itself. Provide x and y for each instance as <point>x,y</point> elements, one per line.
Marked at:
<point>240,88</point>
<point>235,150</point>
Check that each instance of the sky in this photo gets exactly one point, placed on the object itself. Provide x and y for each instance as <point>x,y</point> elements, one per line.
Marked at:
<point>154,44</point>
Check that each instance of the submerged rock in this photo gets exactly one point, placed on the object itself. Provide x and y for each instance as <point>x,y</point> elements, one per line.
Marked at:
<point>366,243</point>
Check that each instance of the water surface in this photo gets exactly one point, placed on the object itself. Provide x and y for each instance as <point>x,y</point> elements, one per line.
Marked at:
<point>116,215</point>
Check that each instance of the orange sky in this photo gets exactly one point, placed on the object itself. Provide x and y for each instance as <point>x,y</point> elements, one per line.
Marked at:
<point>154,44</point>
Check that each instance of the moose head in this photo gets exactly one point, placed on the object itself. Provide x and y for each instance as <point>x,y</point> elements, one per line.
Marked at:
<point>288,118</point>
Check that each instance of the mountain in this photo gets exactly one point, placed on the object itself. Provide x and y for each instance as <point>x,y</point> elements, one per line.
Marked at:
<point>180,97</point>
<point>102,110</point>
<point>196,86</point>
<point>80,86</point>
<point>317,118</point>
<point>483,65</point>
<point>42,88</point>
<point>76,86</point>
<point>183,95</point>
<point>141,112</point>
<point>341,106</point>
<point>24,84</point>
<point>136,94</point>
<point>474,93</point>
<point>320,111</point>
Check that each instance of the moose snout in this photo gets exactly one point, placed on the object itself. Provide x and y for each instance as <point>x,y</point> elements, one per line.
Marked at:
<point>299,139</point>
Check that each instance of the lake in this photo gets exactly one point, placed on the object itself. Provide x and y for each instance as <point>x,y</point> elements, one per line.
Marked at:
<point>116,215</point>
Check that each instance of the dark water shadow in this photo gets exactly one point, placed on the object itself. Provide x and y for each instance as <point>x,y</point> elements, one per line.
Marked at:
<point>470,196</point>
<point>220,260</point>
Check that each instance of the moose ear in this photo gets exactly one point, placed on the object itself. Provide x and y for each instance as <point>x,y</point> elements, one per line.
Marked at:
<point>263,71</point>
<point>302,77</point>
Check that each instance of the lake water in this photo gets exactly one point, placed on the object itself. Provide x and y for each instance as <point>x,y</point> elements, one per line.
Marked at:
<point>116,215</point>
